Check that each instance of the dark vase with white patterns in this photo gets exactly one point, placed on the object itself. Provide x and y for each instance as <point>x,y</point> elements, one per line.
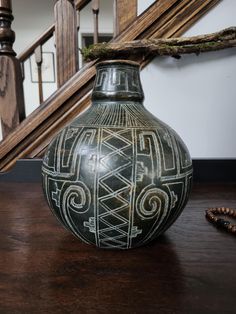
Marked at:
<point>117,176</point>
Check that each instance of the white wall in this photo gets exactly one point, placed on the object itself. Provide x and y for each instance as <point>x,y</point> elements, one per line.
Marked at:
<point>143,5</point>
<point>196,95</point>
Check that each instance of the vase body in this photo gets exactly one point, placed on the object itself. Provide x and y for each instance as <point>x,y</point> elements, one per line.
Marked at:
<point>117,177</point>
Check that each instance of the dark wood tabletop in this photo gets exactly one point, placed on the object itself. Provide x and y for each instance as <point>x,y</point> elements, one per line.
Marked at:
<point>44,269</point>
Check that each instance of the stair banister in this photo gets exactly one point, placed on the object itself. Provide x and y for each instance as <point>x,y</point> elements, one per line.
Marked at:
<point>12,110</point>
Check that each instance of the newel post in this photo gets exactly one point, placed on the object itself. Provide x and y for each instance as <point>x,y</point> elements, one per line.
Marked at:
<point>66,39</point>
<point>125,12</point>
<point>12,110</point>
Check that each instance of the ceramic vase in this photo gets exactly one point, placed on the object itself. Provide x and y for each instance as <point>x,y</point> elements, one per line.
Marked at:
<point>117,176</point>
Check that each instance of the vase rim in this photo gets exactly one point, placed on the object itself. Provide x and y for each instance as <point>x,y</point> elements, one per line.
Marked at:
<point>118,61</point>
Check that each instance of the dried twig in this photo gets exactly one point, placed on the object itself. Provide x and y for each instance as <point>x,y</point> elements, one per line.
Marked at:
<point>163,47</point>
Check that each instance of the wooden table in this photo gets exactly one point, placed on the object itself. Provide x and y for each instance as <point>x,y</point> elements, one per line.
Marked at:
<point>44,269</point>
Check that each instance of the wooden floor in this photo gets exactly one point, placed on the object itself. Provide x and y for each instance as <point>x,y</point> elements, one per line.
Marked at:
<point>44,269</point>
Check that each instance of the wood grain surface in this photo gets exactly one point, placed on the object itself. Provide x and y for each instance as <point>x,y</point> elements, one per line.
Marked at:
<point>44,269</point>
<point>12,110</point>
<point>66,40</point>
<point>125,12</point>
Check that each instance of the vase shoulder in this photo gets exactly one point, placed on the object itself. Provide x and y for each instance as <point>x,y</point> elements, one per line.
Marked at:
<point>117,114</point>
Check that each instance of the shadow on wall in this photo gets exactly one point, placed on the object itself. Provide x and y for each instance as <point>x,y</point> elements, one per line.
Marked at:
<point>191,60</point>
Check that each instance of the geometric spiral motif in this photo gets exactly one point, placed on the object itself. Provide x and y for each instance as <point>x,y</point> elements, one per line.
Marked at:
<point>152,202</point>
<point>76,198</point>
<point>117,187</point>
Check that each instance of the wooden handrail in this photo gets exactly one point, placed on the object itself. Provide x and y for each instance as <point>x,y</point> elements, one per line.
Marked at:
<point>46,35</point>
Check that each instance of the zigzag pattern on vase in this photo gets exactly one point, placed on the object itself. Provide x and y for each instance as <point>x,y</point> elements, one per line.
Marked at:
<point>114,194</point>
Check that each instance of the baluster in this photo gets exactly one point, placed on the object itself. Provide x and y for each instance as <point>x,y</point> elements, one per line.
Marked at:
<point>78,28</point>
<point>22,65</point>
<point>78,19</point>
<point>125,12</point>
<point>66,39</point>
<point>95,9</point>
<point>39,61</point>
<point>12,110</point>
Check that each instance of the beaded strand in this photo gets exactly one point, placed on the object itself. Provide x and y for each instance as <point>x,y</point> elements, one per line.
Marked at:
<point>219,222</point>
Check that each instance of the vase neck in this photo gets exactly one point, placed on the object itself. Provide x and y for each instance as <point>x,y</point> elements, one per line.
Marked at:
<point>118,80</point>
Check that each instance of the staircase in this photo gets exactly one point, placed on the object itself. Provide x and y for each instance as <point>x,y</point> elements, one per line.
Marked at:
<point>27,137</point>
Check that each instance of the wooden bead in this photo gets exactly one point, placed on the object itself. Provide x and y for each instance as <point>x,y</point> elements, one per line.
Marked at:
<point>226,210</point>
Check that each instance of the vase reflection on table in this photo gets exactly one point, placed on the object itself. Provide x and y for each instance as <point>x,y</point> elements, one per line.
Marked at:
<point>117,176</point>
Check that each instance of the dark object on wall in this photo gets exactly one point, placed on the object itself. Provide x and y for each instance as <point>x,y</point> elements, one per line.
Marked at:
<point>48,68</point>
<point>117,176</point>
